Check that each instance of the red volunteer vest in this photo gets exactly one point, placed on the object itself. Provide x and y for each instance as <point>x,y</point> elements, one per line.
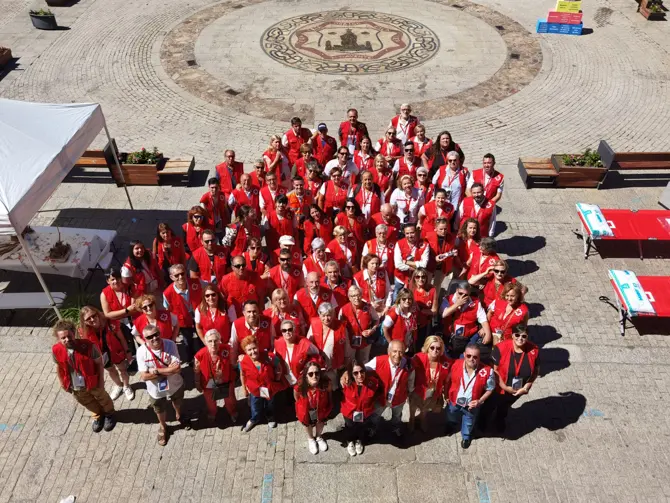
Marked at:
<point>442,176</point>
<point>205,264</point>
<point>356,134</point>
<point>333,199</point>
<point>385,254</point>
<point>175,255</point>
<point>433,213</point>
<point>313,265</point>
<point>421,148</point>
<point>290,282</point>
<point>296,256</point>
<point>193,236</point>
<point>178,305</point>
<point>256,266</point>
<point>216,207</point>
<point>225,178</point>
<point>427,192</point>
<point>365,197</point>
<point>299,356</point>
<point>364,162</point>
<point>340,291</point>
<point>220,323</point>
<point>365,401</point>
<point>483,216</point>
<point>478,387</point>
<point>422,375</point>
<point>242,240</point>
<point>317,399</point>
<point>241,198</point>
<point>263,333</point>
<point>269,199</point>
<point>393,226</point>
<point>383,369</point>
<point>382,179</point>
<point>424,300</point>
<point>139,279</point>
<point>506,349</point>
<point>339,334</point>
<point>464,320</point>
<point>357,229</point>
<point>408,169</point>
<point>276,319</point>
<point>376,287</point>
<point>207,368</point>
<point>236,291</point>
<point>499,322</point>
<point>309,309</point>
<point>490,188</point>
<point>481,263</point>
<point>393,149</point>
<point>324,231</point>
<point>492,292</point>
<point>163,322</point>
<point>295,141</point>
<point>323,149</point>
<point>407,131</point>
<point>113,300</point>
<point>447,245</point>
<point>407,250</point>
<point>278,227</point>
<point>339,256</point>
<point>402,326</point>
<point>357,320</point>
<point>255,379</point>
<point>114,347</point>
<point>83,363</point>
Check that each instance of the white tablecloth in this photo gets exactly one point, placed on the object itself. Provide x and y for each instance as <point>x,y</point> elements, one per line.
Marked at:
<point>88,247</point>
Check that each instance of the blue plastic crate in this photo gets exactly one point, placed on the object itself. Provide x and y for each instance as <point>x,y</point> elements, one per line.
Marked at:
<point>553,28</point>
<point>541,26</point>
<point>564,29</point>
<point>576,29</point>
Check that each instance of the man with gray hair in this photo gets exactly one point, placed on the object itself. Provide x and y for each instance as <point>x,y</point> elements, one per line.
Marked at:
<point>316,262</point>
<point>329,335</point>
<point>387,217</point>
<point>312,296</point>
<point>334,281</point>
<point>452,178</point>
<point>404,123</point>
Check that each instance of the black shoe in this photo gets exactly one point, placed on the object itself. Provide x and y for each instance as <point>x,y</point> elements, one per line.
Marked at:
<point>110,422</point>
<point>465,443</point>
<point>97,425</point>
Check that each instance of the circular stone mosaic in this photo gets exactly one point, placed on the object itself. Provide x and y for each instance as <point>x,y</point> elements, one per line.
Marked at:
<point>350,42</point>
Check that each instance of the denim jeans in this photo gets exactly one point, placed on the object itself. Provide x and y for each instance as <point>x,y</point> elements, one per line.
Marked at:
<point>467,418</point>
<point>396,415</point>
<point>261,407</point>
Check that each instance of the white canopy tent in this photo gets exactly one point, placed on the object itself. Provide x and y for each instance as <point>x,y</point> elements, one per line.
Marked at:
<point>39,145</point>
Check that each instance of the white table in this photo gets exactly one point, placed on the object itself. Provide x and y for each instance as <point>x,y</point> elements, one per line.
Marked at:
<point>89,246</point>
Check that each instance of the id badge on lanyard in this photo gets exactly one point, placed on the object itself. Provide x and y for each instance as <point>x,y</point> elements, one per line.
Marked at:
<point>78,382</point>
<point>265,393</point>
<point>356,341</point>
<point>358,416</point>
<point>313,415</point>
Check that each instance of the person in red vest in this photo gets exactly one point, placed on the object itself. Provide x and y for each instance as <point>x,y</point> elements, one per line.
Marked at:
<point>495,278</point>
<point>389,146</point>
<point>262,376</point>
<point>214,376</point>
<point>387,217</point>
<point>334,281</point>
<point>286,275</point>
<point>452,177</point>
<point>382,248</point>
<point>317,226</point>
<point>313,403</point>
<point>79,368</point>
<point>182,298</point>
<point>252,322</point>
<point>238,234</point>
<point>212,314</point>
<point>423,184</point>
<point>247,194</point>
<point>304,163</point>
<point>397,376</point>
<point>208,262</point>
<point>431,367</point>
<point>463,315</point>
<point>283,308</point>
<point>362,322</point>
<point>467,241</point>
<point>368,196</point>
<point>329,335</point>
<point>422,145</point>
<point>312,296</point>
<point>168,249</point>
<point>269,194</point>
<point>373,280</point>
<point>354,221</point>
<point>240,286</point>
<point>117,303</point>
<point>439,207</point>
<point>351,132</point>
<point>361,394</point>
<point>410,253</point>
<point>471,383</point>
<point>256,259</point>
<point>404,123</point>
<point>294,138</point>
<point>316,262</point>
<point>276,161</point>
<point>167,323</point>
<point>408,164</point>
<point>401,320</point>
<point>333,193</point>
<point>444,256</point>
<point>196,224</point>
<point>364,158</point>
<point>516,363</point>
<point>343,249</point>
<point>482,257</point>
<point>258,174</point>
<point>235,168</point>
<point>424,299</point>
<point>299,203</point>
<point>383,176</point>
<point>480,208</point>
<point>507,312</point>
<point>438,155</point>
<point>294,350</point>
<point>280,222</point>
<point>107,337</point>
<point>216,204</point>
<point>140,271</point>
<point>323,145</point>
<point>491,180</point>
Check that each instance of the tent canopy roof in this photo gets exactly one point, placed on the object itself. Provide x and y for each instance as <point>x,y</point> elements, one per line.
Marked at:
<point>39,144</point>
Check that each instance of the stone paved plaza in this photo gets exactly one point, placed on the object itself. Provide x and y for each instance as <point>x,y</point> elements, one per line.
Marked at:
<point>194,77</point>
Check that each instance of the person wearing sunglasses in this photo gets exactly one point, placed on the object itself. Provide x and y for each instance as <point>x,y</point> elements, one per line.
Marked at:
<point>159,367</point>
<point>389,146</point>
<point>333,193</point>
<point>329,335</point>
<point>491,179</point>
<point>444,256</point>
<point>368,196</point>
<point>208,262</point>
<point>407,164</point>
<point>214,375</point>
<point>256,260</point>
<point>79,367</point>
<point>345,163</point>
<point>216,204</point>
<point>361,393</point>
<point>507,311</point>
<point>229,171</point>
<point>212,314</point>
<point>373,280</point>
<point>431,367</point>
<point>439,207</point>
<point>140,271</point>
<point>313,295</point>
<point>423,184</point>
<point>351,132</point>
<point>424,298</point>
<point>313,403</point>
<point>404,123</point>
<point>401,320</point>
<point>516,362</point>
<point>361,321</point>
<point>286,275</point>
<point>240,286</point>
<point>471,383</point>
<point>196,222</point>
<point>167,323</point>
<point>168,250</point>
<point>463,315</point>
<point>423,145</point>
<point>182,298</point>
<point>257,175</point>
<point>107,337</point>
<point>477,206</point>
<point>283,308</point>
<point>323,144</point>
<point>410,253</point>
<point>354,221</point>
<point>407,200</point>
<point>494,278</point>
<point>288,243</point>
<point>252,322</point>
<point>452,177</point>
<point>294,350</point>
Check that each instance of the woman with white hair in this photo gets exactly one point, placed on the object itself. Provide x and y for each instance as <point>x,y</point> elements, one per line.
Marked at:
<point>316,260</point>
<point>329,335</point>
<point>343,250</point>
<point>214,375</point>
<point>383,248</point>
<point>361,321</point>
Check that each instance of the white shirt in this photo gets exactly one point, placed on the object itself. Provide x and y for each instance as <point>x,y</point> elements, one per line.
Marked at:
<point>407,209</point>
<point>173,319</point>
<point>388,323</point>
<point>492,222</point>
<point>402,129</point>
<point>487,180</point>
<point>311,351</point>
<point>468,384</point>
<point>261,199</point>
<point>152,284</point>
<point>399,260</point>
<point>145,362</point>
<point>372,365</point>
<point>349,169</point>
<point>382,252</point>
<point>389,290</point>
<point>367,196</point>
<point>454,186</point>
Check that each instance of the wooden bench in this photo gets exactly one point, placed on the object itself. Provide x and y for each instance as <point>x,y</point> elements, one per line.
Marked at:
<point>92,159</point>
<point>177,168</point>
<point>628,161</point>
<point>537,172</point>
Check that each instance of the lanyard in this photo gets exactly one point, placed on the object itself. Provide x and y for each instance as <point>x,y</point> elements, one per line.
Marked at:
<point>408,203</point>
<point>313,399</point>
<point>404,129</point>
<point>356,318</point>
<point>160,358</point>
<point>518,367</point>
<point>212,367</point>
<point>441,248</point>
<point>395,380</point>
<point>434,380</point>
<point>284,280</point>
<point>325,339</point>
<point>372,287</point>
<point>472,379</point>
<point>367,200</point>
<point>451,180</point>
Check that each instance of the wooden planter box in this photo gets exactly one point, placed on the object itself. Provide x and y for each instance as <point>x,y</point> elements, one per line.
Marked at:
<point>649,15</point>
<point>5,56</point>
<point>588,177</point>
<point>136,174</point>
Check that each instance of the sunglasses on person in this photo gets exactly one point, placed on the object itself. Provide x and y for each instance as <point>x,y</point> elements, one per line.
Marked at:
<point>313,373</point>
<point>286,330</point>
<point>284,259</point>
<point>358,372</point>
<point>238,266</point>
<point>254,247</point>
<point>179,275</point>
<point>350,207</point>
<point>392,133</point>
<point>210,295</point>
<point>421,276</point>
<point>520,336</point>
<point>151,337</point>
<point>148,307</point>
<point>343,153</point>
<point>208,241</point>
<point>409,150</point>
<point>452,160</point>
<point>471,357</point>
<point>499,271</point>
<point>422,175</point>
<point>435,348</point>
<point>195,217</point>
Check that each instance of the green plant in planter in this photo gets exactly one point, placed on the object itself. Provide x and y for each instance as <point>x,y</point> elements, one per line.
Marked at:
<point>70,309</point>
<point>41,12</point>
<point>144,156</point>
<point>654,8</point>
<point>588,158</point>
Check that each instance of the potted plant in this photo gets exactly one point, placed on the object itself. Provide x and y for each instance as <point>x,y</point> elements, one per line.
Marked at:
<point>43,19</point>
<point>579,170</point>
<point>5,55</point>
<point>139,168</point>
<point>652,10</point>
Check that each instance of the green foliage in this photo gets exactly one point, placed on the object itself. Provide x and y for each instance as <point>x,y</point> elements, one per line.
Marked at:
<point>588,158</point>
<point>70,309</point>
<point>144,156</point>
<point>41,12</point>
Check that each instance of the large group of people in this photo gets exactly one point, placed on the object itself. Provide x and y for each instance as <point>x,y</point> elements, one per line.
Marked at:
<point>341,275</point>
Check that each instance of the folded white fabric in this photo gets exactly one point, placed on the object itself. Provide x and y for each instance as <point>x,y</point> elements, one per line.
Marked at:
<point>631,290</point>
<point>595,220</point>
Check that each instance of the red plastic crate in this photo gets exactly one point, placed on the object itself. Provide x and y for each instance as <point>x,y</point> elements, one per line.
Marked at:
<point>564,17</point>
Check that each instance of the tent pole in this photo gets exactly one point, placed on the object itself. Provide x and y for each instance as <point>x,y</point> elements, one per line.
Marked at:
<point>39,276</point>
<point>116,160</point>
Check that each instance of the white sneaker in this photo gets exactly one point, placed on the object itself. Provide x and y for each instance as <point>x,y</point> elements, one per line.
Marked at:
<point>359,447</point>
<point>323,446</point>
<point>313,447</point>
<point>351,449</point>
<point>130,394</point>
<point>272,424</point>
<point>116,392</point>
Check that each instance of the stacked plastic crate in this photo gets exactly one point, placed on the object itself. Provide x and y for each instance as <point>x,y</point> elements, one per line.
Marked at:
<point>565,20</point>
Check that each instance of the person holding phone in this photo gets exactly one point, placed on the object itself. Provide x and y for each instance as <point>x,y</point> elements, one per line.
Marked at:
<point>159,366</point>
<point>360,397</point>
